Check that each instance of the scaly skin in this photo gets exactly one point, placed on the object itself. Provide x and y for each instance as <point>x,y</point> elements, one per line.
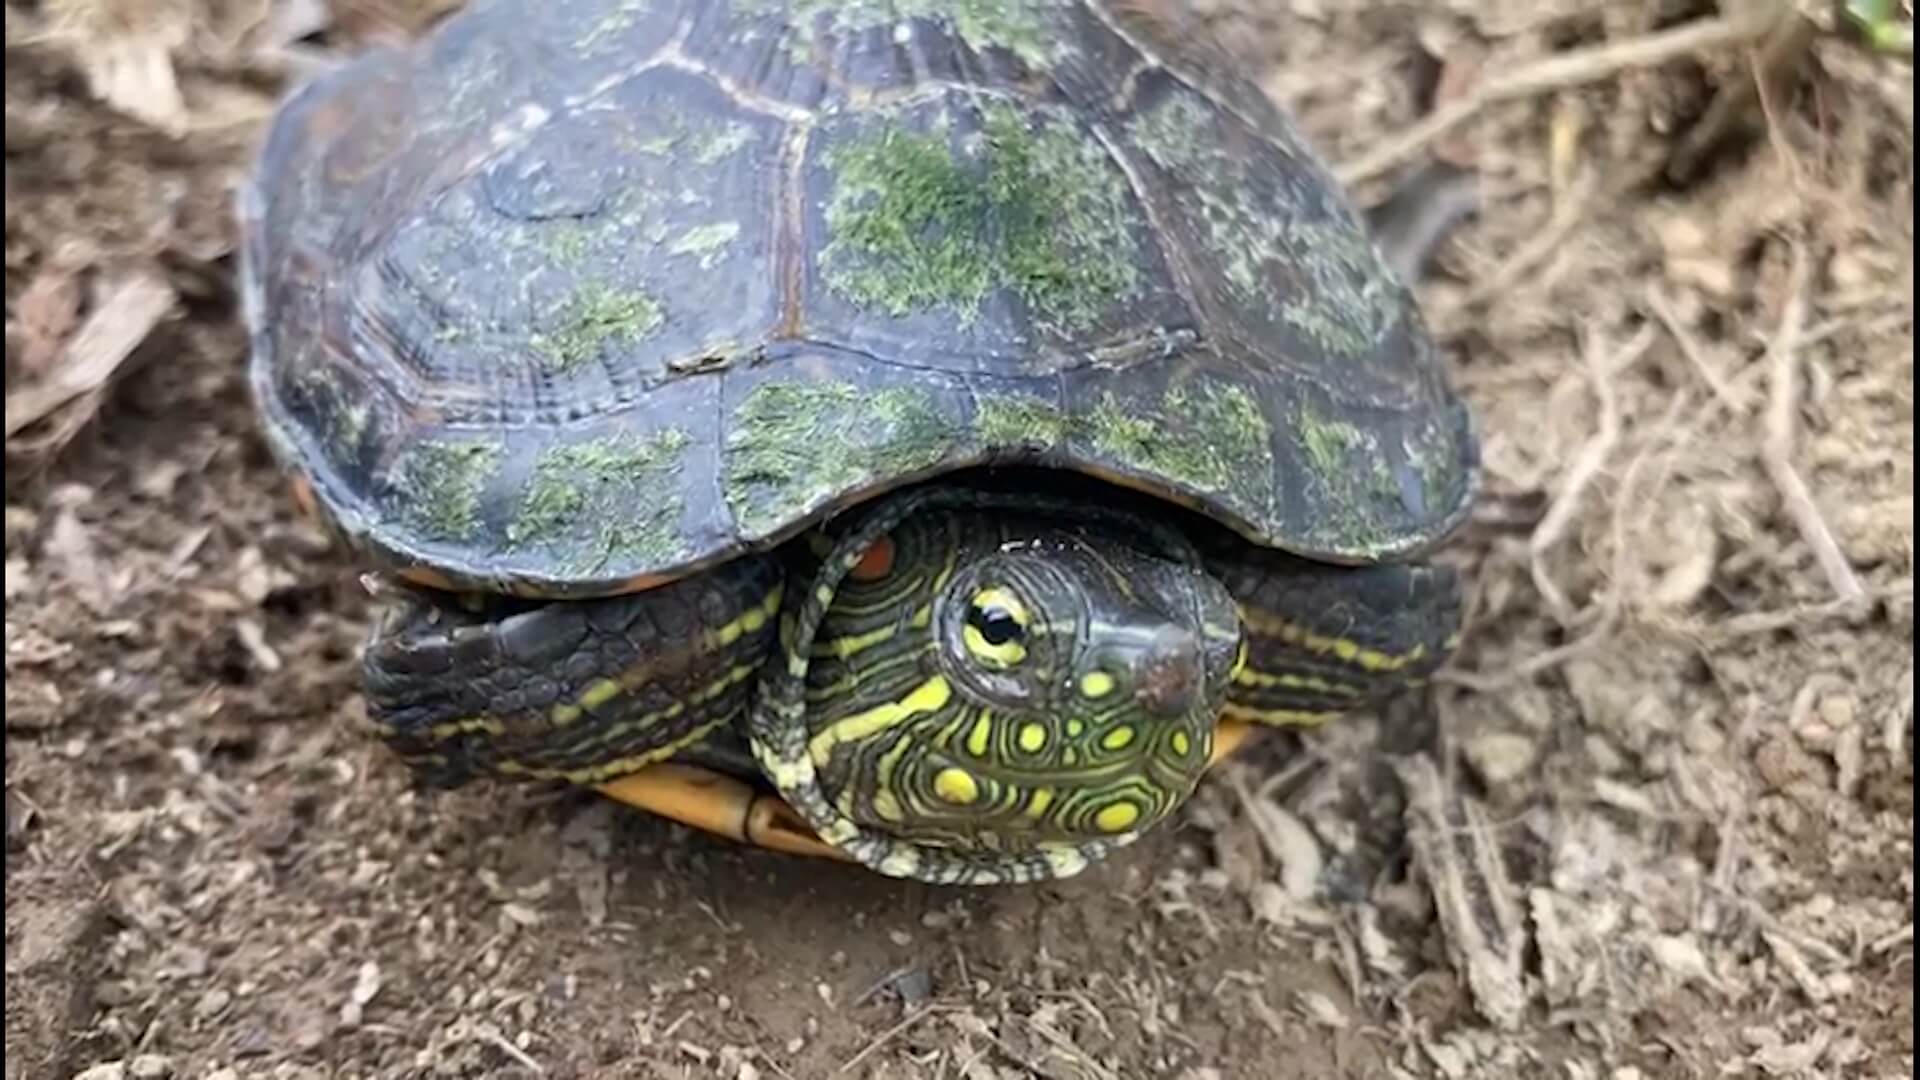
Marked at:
<point>972,688</point>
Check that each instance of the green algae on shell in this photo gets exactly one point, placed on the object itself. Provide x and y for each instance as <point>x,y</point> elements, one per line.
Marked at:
<point>593,316</point>
<point>604,497</point>
<point>1024,28</point>
<point>1220,443</point>
<point>1349,298</point>
<point>918,221</point>
<point>437,486</point>
<point>795,443</point>
<point>1009,421</point>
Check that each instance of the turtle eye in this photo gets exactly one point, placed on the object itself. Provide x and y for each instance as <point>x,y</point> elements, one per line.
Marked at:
<point>996,628</point>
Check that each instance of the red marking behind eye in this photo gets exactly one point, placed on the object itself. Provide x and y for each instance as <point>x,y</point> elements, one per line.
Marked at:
<point>876,563</point>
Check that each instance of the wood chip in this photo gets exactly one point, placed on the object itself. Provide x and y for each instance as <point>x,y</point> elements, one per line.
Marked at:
<point>128,311</point>
<point>1457,853</point>
<point>125,48</point>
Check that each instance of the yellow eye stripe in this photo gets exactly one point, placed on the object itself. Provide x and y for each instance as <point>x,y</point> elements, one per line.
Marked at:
<point>1000,598</point>
<point>1004,655</point>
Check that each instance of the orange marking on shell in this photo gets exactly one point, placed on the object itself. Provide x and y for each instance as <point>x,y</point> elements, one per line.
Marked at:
<point>876,563</point>
<point>427,577</point>
<point>303,496</point>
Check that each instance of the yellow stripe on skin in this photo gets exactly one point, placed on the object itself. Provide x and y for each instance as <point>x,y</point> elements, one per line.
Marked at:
<point>747,622</point>
<point>1038,802</point>
<point>484,724</point>
<point>736,675</point>
<point>980,739</point>
<point>1279,717</point>
<point>1267,623</point>
<point>852,645</point>
<point>883,784</point>
<point>1294,681</point>
<point>929,696</point>
<point>608,770</point>
<point>599,694</point>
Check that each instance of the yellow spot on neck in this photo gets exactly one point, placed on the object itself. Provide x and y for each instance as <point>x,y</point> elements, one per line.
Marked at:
<point>1096,684</point>
<point>956,786</point>
<point>1033,738</point>
<point>1116,817</point>
<point>1117,739</point>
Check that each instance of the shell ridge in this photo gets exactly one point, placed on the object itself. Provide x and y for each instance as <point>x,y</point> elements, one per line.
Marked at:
<point>1174,255</point>
<point>1154,58</point>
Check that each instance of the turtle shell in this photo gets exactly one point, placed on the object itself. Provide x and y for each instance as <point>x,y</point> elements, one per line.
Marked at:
<point>570,299</point>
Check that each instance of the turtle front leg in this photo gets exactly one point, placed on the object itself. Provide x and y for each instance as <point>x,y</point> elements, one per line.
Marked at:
<point>577,690</point>
<point>1321,640</point>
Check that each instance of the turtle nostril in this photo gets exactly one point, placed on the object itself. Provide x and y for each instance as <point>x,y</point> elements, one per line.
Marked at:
<point>1166,676</point>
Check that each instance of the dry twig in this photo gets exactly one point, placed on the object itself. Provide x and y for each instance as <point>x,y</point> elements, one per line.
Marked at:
<point>1573,68</point>
<point>890,1034</point>
<point>1689,346</point>
<point>1601,369</point>
<point>126,314</point>
<point>1788,40</point>
<point>1776,451</point>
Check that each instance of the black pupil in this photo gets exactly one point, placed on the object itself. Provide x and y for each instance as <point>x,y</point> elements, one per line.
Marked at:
<point>994,624</point>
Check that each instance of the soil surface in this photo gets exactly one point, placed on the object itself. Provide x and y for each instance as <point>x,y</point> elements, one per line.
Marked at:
<point>1655,821</point>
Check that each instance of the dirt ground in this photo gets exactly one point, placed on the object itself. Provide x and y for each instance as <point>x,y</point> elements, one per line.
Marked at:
<point>1656,821</point>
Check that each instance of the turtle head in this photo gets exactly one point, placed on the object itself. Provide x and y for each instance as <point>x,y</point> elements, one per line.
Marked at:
<point>1065,687</point>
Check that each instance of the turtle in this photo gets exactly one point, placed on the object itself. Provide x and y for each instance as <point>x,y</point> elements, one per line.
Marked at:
<point>925,433</point>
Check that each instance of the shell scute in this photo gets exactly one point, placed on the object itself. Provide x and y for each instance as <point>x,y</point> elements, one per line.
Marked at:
<point>572,299</point>
<point>977,231</point>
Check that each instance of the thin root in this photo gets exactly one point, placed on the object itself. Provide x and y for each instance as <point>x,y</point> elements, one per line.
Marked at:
<point>1574,68</point>
<point>1776,452</point>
